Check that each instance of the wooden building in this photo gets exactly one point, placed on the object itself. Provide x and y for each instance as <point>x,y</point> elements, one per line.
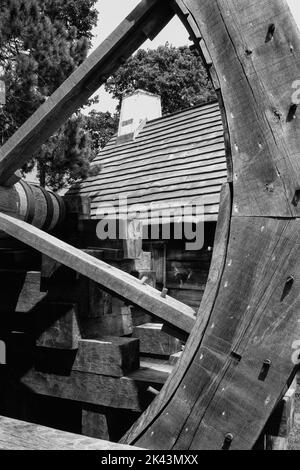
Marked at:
<point>74,354</point>
<point>171,163</point>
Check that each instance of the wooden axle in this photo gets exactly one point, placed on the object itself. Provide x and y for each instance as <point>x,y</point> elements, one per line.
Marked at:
<point>33,204</point>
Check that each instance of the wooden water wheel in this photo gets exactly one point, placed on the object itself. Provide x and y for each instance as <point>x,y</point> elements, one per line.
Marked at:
<point>239,358</point>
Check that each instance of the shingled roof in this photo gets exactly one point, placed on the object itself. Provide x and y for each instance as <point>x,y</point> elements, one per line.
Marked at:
<point>175,160</point>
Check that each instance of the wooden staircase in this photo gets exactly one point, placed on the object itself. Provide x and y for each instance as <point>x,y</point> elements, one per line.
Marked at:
<point>69,340</point>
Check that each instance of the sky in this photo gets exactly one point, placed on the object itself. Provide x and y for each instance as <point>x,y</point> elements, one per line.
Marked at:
<point>112,13</point>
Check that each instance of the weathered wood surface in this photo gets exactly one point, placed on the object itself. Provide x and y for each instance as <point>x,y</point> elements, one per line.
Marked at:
<point>172,159</point>
<point>110,278</point>
<point>240,355</point>
<point>110,356</point>
<point>94,424</point>
<point>175,379</point>
<point>148,18</point>
<point>19,435</point>
<point>239,358</point>
<point>120,393</point>
<point>152,371</point>
<point>282,422</point>
<point>154,341</point>
<point>57,326</point>
<point>127,392</point>
<point>20,291</point>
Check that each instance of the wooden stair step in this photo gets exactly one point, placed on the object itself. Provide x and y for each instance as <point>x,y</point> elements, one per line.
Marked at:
<point>19,435</point>
<point>154,341</point>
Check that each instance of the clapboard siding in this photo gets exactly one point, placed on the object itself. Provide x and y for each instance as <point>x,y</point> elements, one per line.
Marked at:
<point>175,159</point>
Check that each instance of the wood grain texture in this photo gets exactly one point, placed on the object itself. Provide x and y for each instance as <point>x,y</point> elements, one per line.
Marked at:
<point>174,160</point>
<point>154,341</point>
<point>59,326</point>
<point>110,356</point>
<point>157,408</point>
<point>238,363</point>
<point>94,424</point>
<point>241,353</point>
<point>257,92</point>
<point>101,390</point>
<point>148,17</point>
<point>19,435</point>
<point>110,278</point>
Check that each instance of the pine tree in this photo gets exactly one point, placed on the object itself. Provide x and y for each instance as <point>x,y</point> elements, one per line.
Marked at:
<point>176,74</point>
<point>41,43</point>
<point>101,126</point>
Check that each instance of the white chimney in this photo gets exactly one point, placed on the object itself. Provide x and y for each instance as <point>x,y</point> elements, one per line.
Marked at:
<point>137,108</point>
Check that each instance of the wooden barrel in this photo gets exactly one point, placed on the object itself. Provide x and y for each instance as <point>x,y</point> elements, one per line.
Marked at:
<point>39,207</point>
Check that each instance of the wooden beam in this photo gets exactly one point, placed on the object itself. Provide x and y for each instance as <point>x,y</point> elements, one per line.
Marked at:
<point>94,423</point>
<point>101,390</point>
<point>58,326</point>
<point>152,371</point>
<point>154,341</point>
<point>147,19</point>
<point>19,435</point>
<point>112,279</point>
<point>127,393</point>
<point>240,357</point>
<point>110,356</point>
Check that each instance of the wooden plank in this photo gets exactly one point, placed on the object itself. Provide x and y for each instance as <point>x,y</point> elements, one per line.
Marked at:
<point>232,356</point>
<point>19,435</point>
<point>110,174</point>
<point>180,155</point>
<point>168,125</point>
<point>50,366</point>
<point>183,176</point>
<point>204,146</point>
<point>129,172</point>
<point>202,111</point>
<point>242,359</point>
<point>188,296</point>
<point>107,356</point>
<point>57,326</point>
<point>94,424</point>
<point>202,134</point>
<point>102,390</point>
<point>152,372</point>
<point>75,91</point>
<point>210,214</point>
<point>99,312</point>
<point>218,260</point>
<point>110,278</point>
<point>210,176</point>
<point>273,142</point>
<point>173,202</point>
<point>154,341</point>
<point>174,358</point>
<point>202,128</point>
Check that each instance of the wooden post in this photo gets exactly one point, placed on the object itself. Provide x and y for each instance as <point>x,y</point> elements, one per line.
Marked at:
<point>94,423</point>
